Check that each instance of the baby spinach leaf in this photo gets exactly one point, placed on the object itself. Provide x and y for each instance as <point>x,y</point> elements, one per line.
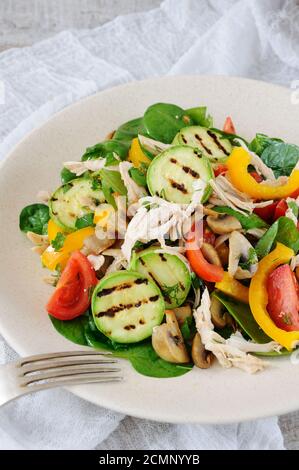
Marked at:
<point>85,221</point>
<point>261,142</point>
<point>112,179</point>
<point>243,316</point>
<point>106,150</point>
<point>138,176</point>
<point>73,330</point>
<point>128,131</point>
<point>34,218</point>
<point>163,121</point>
<point>247,221</point>
<point>141,355</point>
<point>66,175</point>
<point>281,157</point>
<point>188,328</point>
<point>200,117</point>
<point>58,241</point>
<point>284,231</point>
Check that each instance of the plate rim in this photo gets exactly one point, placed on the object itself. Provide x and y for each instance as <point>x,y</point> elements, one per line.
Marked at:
<point>142,414</point>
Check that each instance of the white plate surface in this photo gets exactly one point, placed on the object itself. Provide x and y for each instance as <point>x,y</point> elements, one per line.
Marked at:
<point>215,395</point>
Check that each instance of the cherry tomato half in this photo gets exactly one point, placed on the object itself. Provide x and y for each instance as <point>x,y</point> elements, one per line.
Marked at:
<point>71,297</point>
<point>283,298</point>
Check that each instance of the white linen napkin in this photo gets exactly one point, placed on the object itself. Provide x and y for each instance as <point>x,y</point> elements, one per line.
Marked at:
<point>253,38</point>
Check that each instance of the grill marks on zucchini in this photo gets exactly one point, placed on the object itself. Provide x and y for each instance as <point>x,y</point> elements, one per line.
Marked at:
<point>126,306</point>
<point>74,200</point>
<point>169,273</point>
<point>210,142</point>
<point>174,172</point>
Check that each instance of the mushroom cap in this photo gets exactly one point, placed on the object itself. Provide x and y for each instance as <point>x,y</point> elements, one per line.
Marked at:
<point>168,342</point>
<point>201,357</point>
<point>210,254</point>
<point>223,224</point>
<point>220,317</point>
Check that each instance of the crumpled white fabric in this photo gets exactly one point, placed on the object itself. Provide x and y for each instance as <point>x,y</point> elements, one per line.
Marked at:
<point>253,38</point>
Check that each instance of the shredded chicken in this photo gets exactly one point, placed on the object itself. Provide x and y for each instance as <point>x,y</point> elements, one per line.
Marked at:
<point>153,146</point>
<point>41,242</point>
<point>289,213</point>
<point>232,197</point>
<point>231,352</point>
<point>119,261</point>
<point>135,192</point>
<point>256,232</point>
<point>294,262</point>
<point>239,248</point>
<point>258,163</point>
<point>78,168</point>
<point>156,218</point>
<point>96,261</point>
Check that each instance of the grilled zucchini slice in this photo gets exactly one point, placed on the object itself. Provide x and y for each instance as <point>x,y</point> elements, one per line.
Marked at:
<point>210,142</point>
<point>172,174</point>
<point>70,202</point>
<point>126,306</point>
<point>169,272</point>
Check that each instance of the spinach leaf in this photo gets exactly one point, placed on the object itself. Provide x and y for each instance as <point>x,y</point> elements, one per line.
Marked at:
<point>138,176</point>
<point>106,150</point>
<point>73,330</point>
<point>199,116</point>
<point>34,218</point>
<point>141,355</point>
<point>284,231</point>
<point>261,142</point>
<point>281,157</point>
<point>163,121</point>
<point>243,316</point>
<point>85,221</point>
<point>112,183</point>
<point>247,221</point>
<point>58,241</point>
<point>128,131</point>
<point>66,175</point>
<point>188,328</point>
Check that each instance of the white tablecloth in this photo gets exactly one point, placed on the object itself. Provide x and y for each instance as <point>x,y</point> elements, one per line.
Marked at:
<point>253,38</point>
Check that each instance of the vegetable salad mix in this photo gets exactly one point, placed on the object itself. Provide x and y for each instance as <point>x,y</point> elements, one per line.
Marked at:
<point>174,244</point>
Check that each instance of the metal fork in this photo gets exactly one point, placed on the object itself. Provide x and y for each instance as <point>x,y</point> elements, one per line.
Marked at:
<point>43,371</point>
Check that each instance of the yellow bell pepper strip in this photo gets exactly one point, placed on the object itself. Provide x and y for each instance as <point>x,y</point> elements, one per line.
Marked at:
<point>136,155</point>
<point>258,296</point>
<point>237,164</point>
<point>233,288</point>
<point>74,241</point>
<point>53,230</point>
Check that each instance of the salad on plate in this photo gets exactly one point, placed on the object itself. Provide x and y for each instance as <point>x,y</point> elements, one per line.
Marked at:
<point>175,244</point>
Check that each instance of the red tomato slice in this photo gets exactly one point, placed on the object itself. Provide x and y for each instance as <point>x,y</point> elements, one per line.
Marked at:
<point>280,209</point>
<point>207,271</point>
<point>229,126</point>
<point>266,213</point>
<point>258,178</point>
<point>221,169</point>
<point>283,298</point>
<point>71,297</point>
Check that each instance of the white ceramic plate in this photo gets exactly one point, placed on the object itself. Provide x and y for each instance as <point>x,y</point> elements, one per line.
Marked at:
<point>215,395</point>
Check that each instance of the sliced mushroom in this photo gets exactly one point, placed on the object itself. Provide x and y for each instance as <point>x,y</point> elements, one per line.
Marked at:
<point>210,254</point>
<point>168,342</point>
<point>201,357</point>
<point>239,248</point>
<point>94,246</point>
<point>181,313</point>
<point>223,253</point>
<point>223,224</point>
<point>220,317</point>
